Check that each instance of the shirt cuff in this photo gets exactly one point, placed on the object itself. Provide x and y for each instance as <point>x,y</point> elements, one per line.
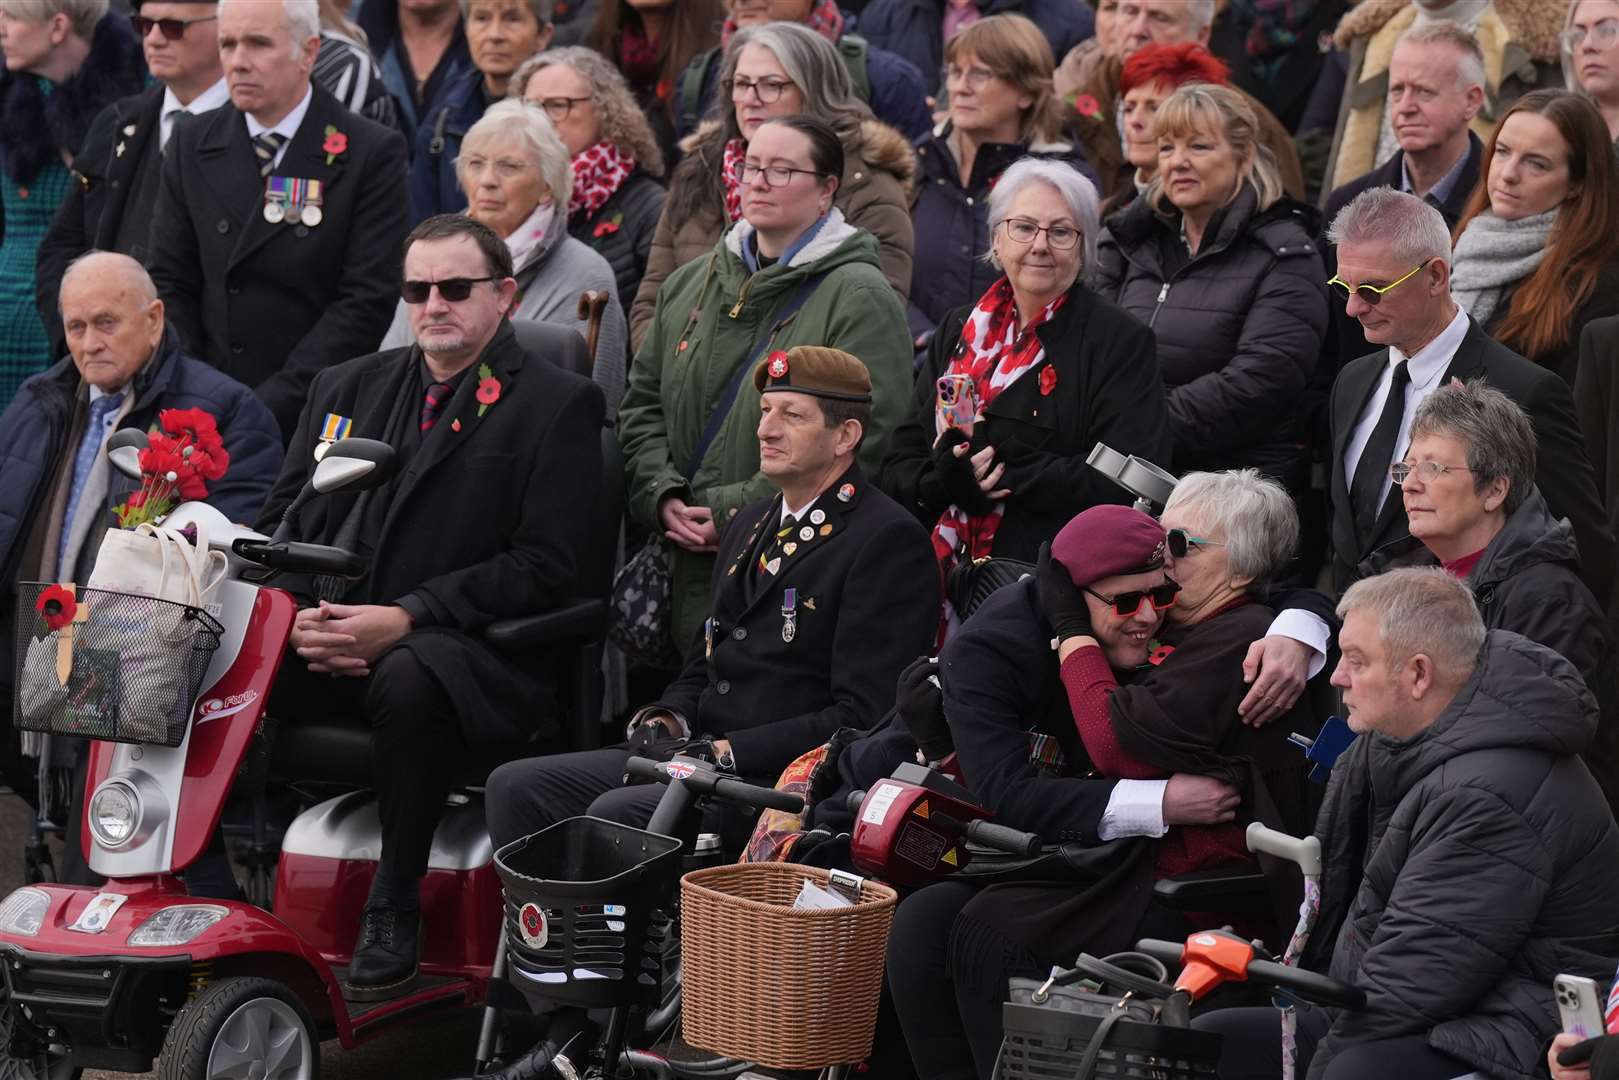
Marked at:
<point>641,716</point>
<point>1136,808</point>
<point>1307,629</point>
<point>420,614</point>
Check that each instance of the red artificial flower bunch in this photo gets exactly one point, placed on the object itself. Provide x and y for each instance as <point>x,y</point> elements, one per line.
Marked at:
<point>184,454</point>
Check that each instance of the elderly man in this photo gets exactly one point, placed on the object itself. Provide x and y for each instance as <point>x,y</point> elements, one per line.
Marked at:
<point>1090,79</point>
<point>119,166</point>
<point>789,655</point>
<point>56,489</point>
<point>1470,857</point>
<point>487,519</point>
<point>1394,277</point>
<point>278,221</point>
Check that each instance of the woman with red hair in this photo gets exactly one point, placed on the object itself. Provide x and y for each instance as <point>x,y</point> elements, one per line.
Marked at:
<point>1150,75</point>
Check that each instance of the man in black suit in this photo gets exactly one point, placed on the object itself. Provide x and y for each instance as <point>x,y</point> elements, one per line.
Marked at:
<point>276,239</point>
<point>486,519</point>
<point>822,595</point>
<point>1394,269</point>
<point>119,166</point>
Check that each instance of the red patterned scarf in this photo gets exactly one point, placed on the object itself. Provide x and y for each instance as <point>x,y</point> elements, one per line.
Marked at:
<point>735,151</point>
<point>597,172</point>
<point>994,353</point>
<point>825,20</point>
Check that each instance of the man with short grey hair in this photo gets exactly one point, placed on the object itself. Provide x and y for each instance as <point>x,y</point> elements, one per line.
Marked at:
<point>1470,857</point>
<point>279,215</point>
<point>1394,278</point>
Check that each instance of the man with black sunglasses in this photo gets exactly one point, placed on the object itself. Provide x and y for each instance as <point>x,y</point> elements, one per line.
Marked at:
<point>117,170</point>
<point>488,517</point>
<point>279,214</point>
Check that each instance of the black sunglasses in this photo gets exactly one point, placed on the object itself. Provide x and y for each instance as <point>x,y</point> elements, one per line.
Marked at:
<point>1127,604</point>
<point>1179,542</point>
<point>453,289</point>
<point>173,29</point>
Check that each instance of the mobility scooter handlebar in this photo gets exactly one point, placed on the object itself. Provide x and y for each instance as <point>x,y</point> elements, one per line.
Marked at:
<point>1291,980</point>
<point>290,556</point>
<point>706,782</point>
<point>979,831</point>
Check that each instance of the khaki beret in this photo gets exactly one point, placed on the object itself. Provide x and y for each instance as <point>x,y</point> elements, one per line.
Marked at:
<point>816,370</point>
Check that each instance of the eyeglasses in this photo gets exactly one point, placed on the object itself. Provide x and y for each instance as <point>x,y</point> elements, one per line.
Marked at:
<point>172,29</point>
<point>768,89</point>
<point>746,172</point>
<point>558,108</point>
<point>1060,237</point>
<point>1602,35</point>
<point>1372,294</point>
<point>1427,471</point>
<point>1180,542</point>
<point>1127,604</point>
<point>504,168</point>
<point>453,289</point>
<point>973,78</point>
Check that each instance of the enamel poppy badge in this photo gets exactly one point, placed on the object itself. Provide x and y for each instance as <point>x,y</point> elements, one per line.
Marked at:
<point>531,924</point>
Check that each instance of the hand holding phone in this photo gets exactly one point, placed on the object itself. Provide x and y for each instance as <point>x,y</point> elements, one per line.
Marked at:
<point>1579,1005</point>
<point>956,403</point>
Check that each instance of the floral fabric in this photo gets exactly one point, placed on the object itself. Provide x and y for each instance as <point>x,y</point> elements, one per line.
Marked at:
<point>597,172</point>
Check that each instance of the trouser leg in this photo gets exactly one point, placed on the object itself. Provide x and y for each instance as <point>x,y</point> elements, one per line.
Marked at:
<point>919,975</point>
<point>416,745</point>
<point>523,797</point>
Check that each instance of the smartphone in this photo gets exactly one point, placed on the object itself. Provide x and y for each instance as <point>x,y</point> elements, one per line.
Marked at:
<point>1579,1005</point>
<point>957,402</point>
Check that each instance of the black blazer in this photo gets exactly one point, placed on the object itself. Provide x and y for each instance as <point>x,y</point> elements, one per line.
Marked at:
<point>273,305</point>
<point>867,604</point>
<point>1108,389</point>
<point>1596,396</point>
<point>1562,471</point>
<point>107,172</point>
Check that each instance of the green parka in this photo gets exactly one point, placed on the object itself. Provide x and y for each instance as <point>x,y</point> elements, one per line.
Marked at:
<point>710,314</point>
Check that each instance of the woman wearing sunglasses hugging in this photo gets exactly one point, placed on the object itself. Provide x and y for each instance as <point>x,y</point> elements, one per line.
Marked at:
<point>1128,728</point>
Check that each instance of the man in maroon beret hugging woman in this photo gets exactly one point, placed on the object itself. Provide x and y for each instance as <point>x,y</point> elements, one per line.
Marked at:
<point>1096,705</point>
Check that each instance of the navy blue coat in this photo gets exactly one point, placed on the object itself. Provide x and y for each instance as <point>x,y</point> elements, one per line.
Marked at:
<point>433,187</point>
<point>380,21</point>
<point>915,28</point>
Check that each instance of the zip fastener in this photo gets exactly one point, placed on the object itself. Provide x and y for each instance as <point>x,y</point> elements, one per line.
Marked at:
<point>1163,294</point>
<point>742,297</point>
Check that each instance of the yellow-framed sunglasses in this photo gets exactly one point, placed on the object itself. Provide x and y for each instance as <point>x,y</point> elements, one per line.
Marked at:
<point>1373,294</point>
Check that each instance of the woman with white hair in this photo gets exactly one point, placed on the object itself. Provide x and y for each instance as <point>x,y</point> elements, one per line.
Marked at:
<point>64,61</point>
<point>518,179</point>
<point>1225,269</point>
<point>1016,389</point>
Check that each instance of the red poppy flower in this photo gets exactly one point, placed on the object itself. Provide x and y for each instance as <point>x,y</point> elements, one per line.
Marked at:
<point>1160,654</point>
<point>336,142</point>
<point>488,391</point>
<point>198,423</point>
<point>1087,106</point>
<point>1048,380</point>
<point>57,606</point>
<point>605,228</point>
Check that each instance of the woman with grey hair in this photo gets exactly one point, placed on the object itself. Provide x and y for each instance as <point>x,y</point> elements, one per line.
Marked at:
<point>518,178</point>
<point>1016,389</point>
<point>616,160</point>
<point>64,61</point>
<point>781,69</point>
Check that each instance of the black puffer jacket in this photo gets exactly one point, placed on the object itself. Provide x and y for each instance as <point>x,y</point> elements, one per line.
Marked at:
<point>1469,865</point>
<point>621,229</point>
<point>1239,326</point>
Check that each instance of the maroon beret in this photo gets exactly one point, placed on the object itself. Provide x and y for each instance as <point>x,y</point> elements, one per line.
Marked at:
<point>1108,540</point>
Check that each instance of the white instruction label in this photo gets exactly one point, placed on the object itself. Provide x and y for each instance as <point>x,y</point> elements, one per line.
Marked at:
<point>878,802</point>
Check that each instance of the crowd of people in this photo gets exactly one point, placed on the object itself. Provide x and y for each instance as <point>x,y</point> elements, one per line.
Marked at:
<point>840,296</point>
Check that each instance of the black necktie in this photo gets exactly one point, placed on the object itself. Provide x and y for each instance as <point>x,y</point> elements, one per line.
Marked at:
<point>773,549</point>
<point>1372,470</point>
<point>433,403</point>
<point>266,147</point>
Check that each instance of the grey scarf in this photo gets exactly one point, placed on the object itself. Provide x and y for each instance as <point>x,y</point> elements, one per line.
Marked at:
<point>1494,255</point>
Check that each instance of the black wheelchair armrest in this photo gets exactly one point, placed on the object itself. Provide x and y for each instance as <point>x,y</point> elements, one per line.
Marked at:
<point>1220,889</point>
<point>577,620</point>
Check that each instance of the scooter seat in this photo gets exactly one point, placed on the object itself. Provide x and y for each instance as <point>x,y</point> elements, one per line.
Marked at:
<point>328,752</point>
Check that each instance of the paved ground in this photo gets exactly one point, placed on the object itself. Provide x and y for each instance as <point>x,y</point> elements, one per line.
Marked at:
<point>423,1050</point>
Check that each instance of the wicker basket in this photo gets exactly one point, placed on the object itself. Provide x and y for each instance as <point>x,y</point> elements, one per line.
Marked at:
<point>768,983</point>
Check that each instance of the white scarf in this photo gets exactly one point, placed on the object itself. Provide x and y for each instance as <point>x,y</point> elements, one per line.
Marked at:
<point>1492,256</point>
<point>529,240</point>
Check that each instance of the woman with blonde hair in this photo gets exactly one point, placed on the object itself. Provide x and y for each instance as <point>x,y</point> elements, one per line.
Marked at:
<point>616,159</point>
<point>1225,269</point>
<point>1002,108</point>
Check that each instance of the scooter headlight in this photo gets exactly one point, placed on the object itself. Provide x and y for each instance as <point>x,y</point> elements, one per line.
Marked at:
<point>115,813</point>
<point>177,925</point>
<point>23,912</point>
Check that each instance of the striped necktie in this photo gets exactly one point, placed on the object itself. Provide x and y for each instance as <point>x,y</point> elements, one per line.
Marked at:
<point>266,146</point>
<point>433,404</point>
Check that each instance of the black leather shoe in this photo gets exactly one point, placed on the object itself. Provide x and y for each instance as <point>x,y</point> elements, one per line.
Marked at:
<point>385,954</point>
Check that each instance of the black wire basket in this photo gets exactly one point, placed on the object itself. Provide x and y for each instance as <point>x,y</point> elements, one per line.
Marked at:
<point>1049,1044</point>
<point>137,665</point>
<point>581,897</point>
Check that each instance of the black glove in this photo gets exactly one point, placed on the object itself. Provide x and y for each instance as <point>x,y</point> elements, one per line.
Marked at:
<point>920,704</point>
<point>1061,601</point>
<point>956,473</point>
<point>1602,1052</point>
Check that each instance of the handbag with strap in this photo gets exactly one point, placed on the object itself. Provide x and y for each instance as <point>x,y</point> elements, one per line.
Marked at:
<point>640,605</point>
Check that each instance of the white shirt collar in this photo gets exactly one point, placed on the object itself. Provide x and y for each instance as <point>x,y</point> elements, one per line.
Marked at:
<point>799,513</point>
<point>289,123</point>
<point>211,98</point>
<point>1433,358</point>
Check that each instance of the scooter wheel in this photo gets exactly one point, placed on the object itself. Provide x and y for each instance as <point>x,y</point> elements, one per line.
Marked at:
<point>242,1026</point>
